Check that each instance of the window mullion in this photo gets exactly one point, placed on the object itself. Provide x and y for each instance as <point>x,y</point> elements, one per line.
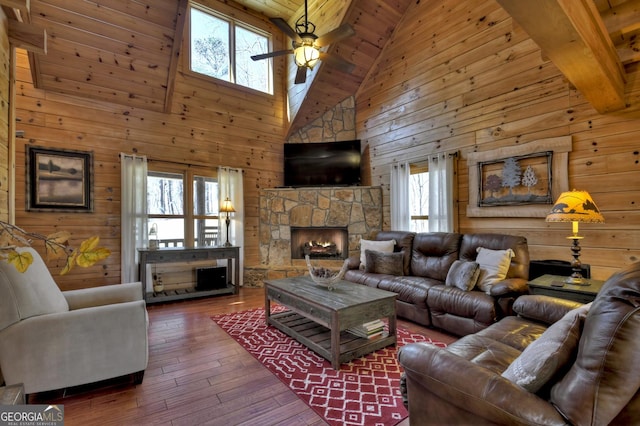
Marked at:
<point>232,51</point>
<point>188,210</point>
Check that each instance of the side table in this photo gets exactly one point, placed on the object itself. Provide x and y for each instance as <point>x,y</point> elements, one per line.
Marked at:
<point>12,395</point>
<point>554,285</point>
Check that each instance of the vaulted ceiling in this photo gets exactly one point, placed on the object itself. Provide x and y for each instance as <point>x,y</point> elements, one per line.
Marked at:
<point>126,51</point>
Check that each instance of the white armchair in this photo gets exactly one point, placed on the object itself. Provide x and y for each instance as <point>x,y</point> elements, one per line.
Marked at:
<point>50,339</point>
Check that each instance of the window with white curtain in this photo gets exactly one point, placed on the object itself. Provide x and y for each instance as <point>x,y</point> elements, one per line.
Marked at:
<point>423,199</point>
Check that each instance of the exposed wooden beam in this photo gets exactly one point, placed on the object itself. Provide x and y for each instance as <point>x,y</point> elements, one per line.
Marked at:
<point>175,53</point>
<point>28,37</point>
<point>572,35</point>
<point>19,9</point>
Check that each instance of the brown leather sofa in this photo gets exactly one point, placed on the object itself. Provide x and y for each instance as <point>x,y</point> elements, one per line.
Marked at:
<point>422,295</point>
<point>598,384</point>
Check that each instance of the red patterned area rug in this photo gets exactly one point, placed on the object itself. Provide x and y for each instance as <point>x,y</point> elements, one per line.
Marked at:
<point>365,391</point>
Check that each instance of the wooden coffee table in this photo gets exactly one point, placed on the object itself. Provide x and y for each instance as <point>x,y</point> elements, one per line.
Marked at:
<point>318,318</point>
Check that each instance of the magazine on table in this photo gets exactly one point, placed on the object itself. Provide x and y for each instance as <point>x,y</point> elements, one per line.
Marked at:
<point>369,329</point>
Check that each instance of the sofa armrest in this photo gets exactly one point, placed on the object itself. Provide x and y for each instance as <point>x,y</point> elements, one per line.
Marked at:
<point>354,262</point>
<point>542,308</point>
<point>105,295</point>
<point>509,286</point>
<point>444,388</point>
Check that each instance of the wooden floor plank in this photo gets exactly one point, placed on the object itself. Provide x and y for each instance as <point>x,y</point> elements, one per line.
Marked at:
<point>197,374</point>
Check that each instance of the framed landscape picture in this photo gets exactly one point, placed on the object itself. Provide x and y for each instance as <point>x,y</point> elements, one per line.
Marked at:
<point>520,180</point>
<point>59,179</point>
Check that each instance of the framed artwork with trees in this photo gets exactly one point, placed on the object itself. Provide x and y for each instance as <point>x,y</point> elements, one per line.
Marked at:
<point>524,179</point>
<point>518,181</point>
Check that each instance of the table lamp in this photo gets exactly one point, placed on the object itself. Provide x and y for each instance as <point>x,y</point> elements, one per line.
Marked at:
<point>227,207</point>
<point>575,206</point>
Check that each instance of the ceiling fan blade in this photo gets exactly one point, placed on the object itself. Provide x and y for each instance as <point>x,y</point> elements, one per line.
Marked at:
<point>285,28</point>
<point>342,32</point>
<point>301,75</point>
<point>271,54</point>
<point>337,62</point>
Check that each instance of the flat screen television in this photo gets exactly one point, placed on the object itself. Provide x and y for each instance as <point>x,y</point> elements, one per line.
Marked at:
<point>322,164</point>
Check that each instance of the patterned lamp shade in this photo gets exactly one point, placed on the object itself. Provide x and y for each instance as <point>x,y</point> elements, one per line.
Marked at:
<point>575,206</point>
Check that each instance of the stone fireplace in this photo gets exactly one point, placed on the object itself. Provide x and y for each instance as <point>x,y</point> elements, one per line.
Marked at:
<point>356,210</point>
<point>319,242</point>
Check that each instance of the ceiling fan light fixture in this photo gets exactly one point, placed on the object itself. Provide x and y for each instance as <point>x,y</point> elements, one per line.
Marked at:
<point>306,56</point>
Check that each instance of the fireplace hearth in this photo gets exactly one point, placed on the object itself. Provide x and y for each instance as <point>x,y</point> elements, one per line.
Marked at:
<point>319,242</point>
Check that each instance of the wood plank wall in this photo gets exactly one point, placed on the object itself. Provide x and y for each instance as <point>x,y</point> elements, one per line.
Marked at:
<point>210,124</point>
<point>463,76</point>
<point>5,104</point>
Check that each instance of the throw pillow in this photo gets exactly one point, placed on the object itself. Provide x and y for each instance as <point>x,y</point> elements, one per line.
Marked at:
<point>546,356</point>
<point>384,263</point>
<point>463,275</point>
<point>494,265</point>
<point>382,246</point>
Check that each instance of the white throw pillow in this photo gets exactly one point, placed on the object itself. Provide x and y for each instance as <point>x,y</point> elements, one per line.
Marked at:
<point>381,246</point>
<point>494,265</point>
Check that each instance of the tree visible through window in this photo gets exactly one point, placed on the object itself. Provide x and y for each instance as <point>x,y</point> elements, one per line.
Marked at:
<point>222,48</point>
<point>183,216</point>
<point>419,197</point>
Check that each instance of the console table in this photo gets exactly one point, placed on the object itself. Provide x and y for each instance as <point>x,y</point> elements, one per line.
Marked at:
<point>185,254</point>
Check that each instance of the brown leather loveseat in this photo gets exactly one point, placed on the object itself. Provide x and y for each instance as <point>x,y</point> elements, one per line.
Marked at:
<point>547,366</point>
<point>427,258</point>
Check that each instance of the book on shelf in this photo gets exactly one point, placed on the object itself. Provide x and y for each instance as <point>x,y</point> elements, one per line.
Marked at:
<point>368,330</point>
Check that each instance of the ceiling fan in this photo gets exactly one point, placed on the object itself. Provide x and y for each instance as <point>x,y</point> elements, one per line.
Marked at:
<point>306,45</point>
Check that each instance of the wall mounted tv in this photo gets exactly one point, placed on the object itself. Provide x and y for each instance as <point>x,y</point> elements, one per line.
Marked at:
<point>322,164</point>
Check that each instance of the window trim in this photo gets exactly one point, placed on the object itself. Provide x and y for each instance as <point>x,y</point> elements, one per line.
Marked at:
<point>233,23</point>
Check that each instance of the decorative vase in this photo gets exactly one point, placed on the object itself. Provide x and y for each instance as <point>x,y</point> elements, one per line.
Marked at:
<point>157,284</point>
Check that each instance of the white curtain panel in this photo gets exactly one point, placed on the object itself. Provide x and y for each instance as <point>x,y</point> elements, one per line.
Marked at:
<point>133,210</point>
<point>230,185</point>
<point>441,180</point>
<point>399,193</point>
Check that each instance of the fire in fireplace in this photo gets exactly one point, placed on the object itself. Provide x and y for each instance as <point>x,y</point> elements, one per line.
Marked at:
<point>319,242</point>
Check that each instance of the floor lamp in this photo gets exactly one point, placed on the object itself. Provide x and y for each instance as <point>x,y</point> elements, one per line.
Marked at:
<point>227,207</point>
<point>575,206</point>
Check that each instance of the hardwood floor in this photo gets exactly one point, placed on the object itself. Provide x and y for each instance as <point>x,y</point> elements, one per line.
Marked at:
<point>197,374</point>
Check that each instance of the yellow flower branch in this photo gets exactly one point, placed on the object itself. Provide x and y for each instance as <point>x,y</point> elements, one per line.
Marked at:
<point>56,246</point>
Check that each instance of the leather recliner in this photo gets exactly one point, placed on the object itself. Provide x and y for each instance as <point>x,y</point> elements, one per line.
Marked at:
<point>599,385</point>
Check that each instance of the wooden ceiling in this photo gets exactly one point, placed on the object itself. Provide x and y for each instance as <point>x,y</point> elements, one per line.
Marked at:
<point>125,51</point>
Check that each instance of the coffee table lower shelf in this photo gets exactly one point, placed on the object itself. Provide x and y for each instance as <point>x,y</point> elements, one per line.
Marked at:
<point>318,338</point>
